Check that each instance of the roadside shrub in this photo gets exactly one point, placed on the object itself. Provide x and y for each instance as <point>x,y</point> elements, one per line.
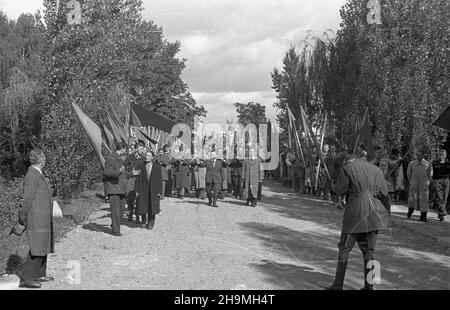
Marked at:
<point>11,193</point>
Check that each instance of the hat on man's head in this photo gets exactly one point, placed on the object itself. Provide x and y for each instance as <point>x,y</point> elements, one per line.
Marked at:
<point>36,156</point>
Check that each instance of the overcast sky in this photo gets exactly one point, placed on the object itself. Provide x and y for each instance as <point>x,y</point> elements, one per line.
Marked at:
<point>232,46</point>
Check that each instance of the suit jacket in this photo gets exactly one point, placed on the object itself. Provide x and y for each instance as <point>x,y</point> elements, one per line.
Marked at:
<point>148,201</point>
<point>37,213</point>
<point>214,173</point>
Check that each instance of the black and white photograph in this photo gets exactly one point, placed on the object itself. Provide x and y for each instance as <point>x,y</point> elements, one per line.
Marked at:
<point>224,151</point>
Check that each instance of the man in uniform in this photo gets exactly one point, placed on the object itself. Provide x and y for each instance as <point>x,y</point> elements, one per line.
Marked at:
<point>440,183</point>
<point>364,215</point>
<point>115,178</point>
<point>236,177</point>
<point>214,178</point>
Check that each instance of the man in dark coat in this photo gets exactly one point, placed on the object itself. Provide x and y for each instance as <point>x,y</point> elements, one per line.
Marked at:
<point>364,214</point>
<point>214,178</point>
<point>133,160</point>
<point>36,213</point>
<point>149,190</point>
<point>236,177</point>
<point>165,160</point>
<point>115,182</point>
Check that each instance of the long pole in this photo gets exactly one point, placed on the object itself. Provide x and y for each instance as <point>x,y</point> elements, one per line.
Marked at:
<point>321,146</point>
<point>359,132</point>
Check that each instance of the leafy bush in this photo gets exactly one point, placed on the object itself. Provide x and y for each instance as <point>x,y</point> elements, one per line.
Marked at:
<point>10,200</point>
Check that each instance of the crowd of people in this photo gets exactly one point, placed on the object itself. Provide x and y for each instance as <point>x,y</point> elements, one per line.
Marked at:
<point>141,178</point>
<point>422,183</point>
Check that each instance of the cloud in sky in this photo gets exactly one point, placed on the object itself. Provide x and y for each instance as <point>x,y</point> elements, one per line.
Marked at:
<point>231,46</point>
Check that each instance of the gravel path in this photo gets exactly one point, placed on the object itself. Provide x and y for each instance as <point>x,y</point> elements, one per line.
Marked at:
<point>287,242</point>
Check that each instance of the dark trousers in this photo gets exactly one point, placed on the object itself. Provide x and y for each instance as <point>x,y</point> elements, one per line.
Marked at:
<point>163,188</point>
<point>34,268</point>
<point>117,204</point>
<point>366,243</point>
<point>259,191</point>
<point>213,187</point>
<point>236,181</point>
<point>131,199</point>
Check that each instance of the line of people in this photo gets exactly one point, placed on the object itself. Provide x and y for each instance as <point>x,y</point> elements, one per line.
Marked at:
<point>422,183</point>
<point>139,178</point>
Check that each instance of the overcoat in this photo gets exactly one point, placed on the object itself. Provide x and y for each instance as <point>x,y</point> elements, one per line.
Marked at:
<point>37,212</point>
<point>253,174</point>
<point>183,176</point>
<point>419,176</point>
<point>214,173</point>
<point>148,189</point>
<point>362,181</point>
<point>200,175</point>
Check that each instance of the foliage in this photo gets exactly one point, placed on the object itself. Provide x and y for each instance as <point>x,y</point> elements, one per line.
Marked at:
<point>399,69</point>
<point>109,60</point>
<point>20,85</point>
<point>251,113</point>
<point>10,199</point>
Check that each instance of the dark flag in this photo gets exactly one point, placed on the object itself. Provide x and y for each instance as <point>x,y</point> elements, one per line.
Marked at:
<point>141,117</point>
<point>444,120</point>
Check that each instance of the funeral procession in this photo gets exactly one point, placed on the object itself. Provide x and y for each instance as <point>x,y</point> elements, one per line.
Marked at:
<point>219,146</point>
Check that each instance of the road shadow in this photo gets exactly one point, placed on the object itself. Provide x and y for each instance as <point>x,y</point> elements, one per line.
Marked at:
<point>408,260</point>
<point>106,229</point>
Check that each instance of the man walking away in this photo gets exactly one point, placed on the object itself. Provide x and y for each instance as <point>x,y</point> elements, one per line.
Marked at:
<point>364,215</point>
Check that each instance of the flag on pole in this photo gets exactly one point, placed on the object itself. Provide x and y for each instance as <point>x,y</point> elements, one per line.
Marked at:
<point>117,132</point>
<point>108,135</point>
<point>93,132</point>
<point>141,117</point>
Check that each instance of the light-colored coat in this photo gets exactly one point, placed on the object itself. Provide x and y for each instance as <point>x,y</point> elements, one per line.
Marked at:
<point>419,176</point>
<point>253,174</point>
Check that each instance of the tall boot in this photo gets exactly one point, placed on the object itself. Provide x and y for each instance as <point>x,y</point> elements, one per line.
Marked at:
<point>130,216</point>
<point>367,286</point>
<point>209,199</point>
<point>340,275</point>
<point>423,217</point>
<point>215,201</point>
<point>410,213</point>
<point>144,220</point>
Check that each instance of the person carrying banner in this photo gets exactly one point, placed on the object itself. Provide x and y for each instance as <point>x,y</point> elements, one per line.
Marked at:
<point>115,177</point>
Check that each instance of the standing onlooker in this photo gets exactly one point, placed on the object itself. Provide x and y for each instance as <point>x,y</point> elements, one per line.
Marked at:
<point>36,213</point>
<point>330,163</point>
<point>441,184</point>
<point>419,173</point>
